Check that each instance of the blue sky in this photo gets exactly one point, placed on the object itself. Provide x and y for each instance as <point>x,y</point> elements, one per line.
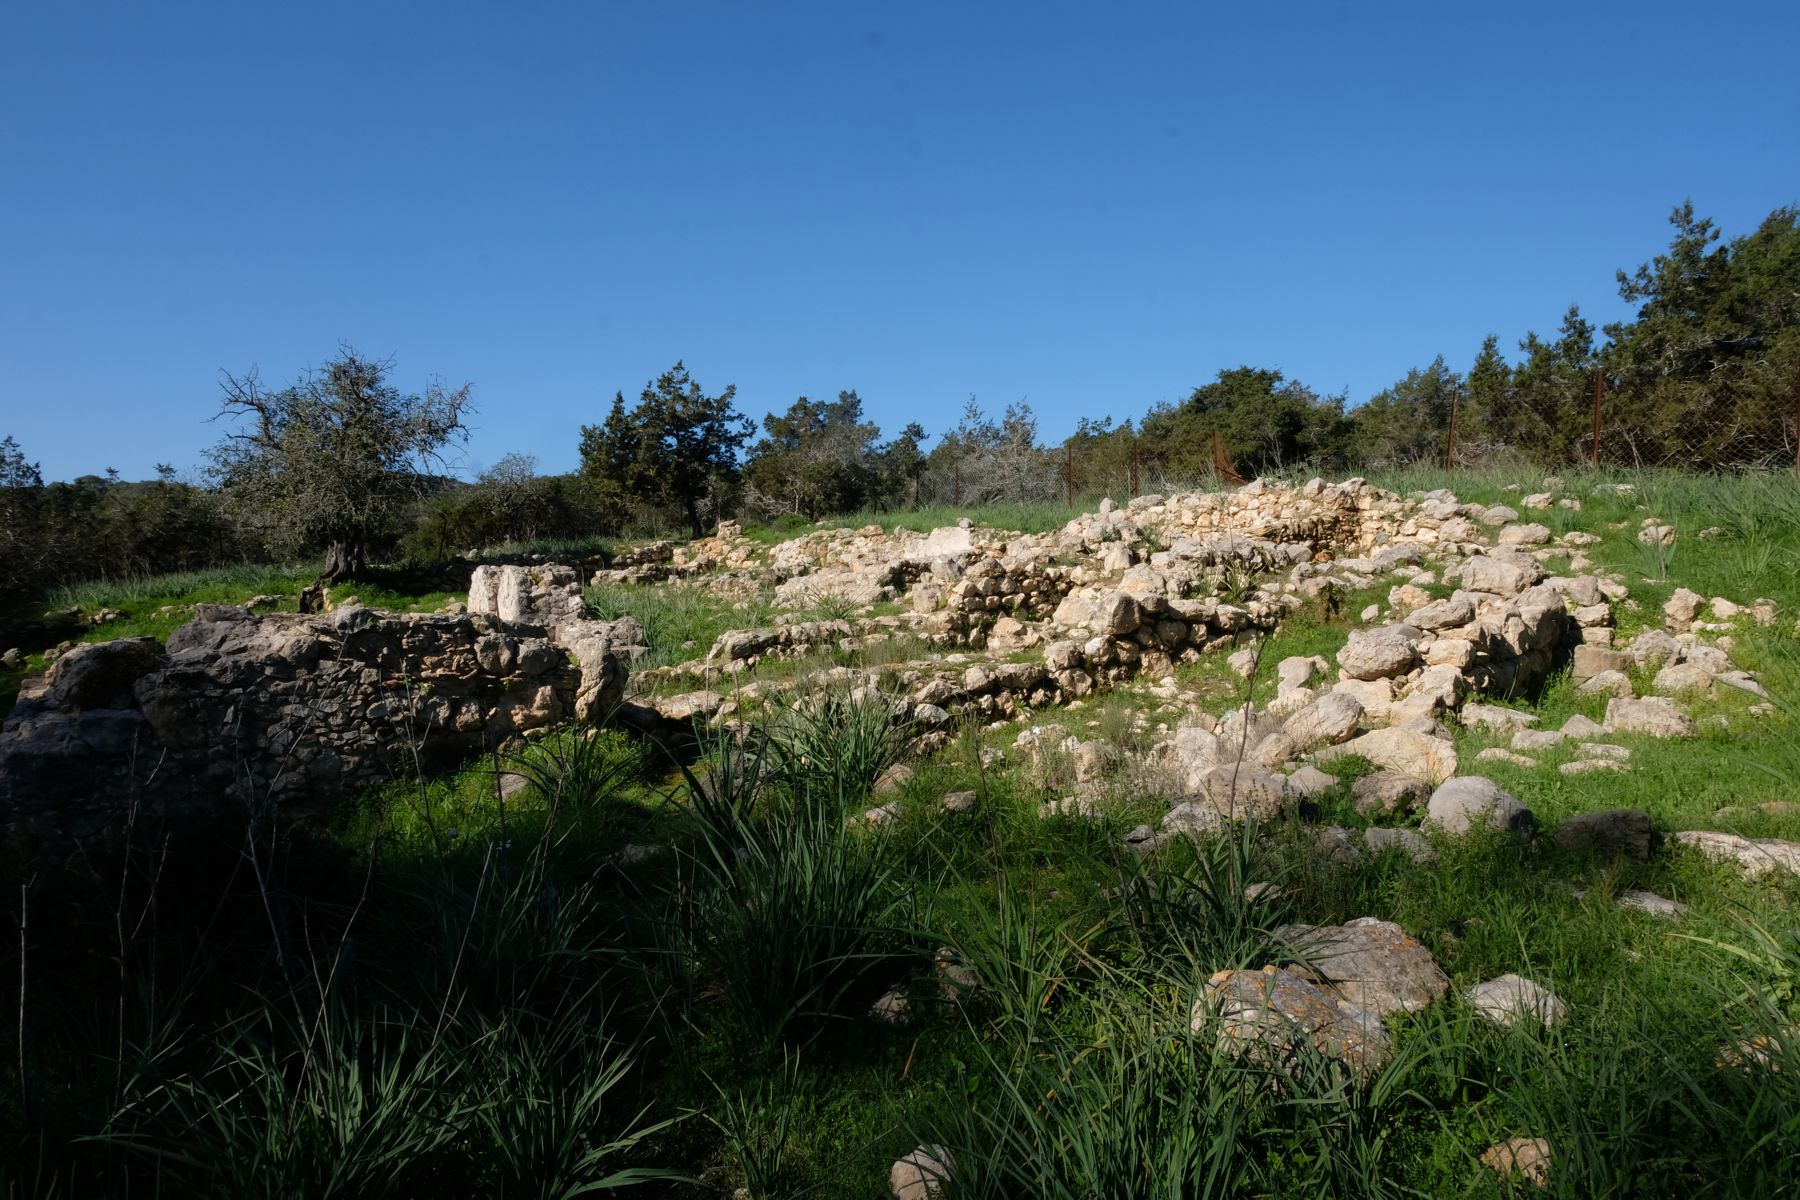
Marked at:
<point>1091,207</point>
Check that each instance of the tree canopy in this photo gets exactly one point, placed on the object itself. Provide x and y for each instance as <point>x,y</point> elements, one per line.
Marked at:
<point>331,461</point>
<point>677,447</point>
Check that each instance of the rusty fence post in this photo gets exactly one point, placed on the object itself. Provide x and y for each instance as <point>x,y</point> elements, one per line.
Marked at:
<point>1450,442</point>
<point>1069,471</point>
<point>1599,391</point>
<point>956,484</point>
<point>1137,454</point>
<point>1797,418</point>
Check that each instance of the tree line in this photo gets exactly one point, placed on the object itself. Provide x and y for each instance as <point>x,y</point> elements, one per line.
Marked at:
<point>343,464</point>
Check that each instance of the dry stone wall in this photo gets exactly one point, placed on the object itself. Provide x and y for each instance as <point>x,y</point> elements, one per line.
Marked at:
<point>298,710</point>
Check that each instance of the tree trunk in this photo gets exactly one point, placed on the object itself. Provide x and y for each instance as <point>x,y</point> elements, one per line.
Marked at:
<point>343,560</point>
<point>693,517</point>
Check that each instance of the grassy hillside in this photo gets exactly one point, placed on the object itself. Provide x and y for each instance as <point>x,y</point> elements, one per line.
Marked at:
<point>639,964</point>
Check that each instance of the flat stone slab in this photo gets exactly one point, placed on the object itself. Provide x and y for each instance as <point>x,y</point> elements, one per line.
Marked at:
<point>1614,833</point>
<point>1513,998</point>
<point>1754,856</point>
<point>1463,803</point>
<point>1273,1015</point>
<point>1374,964</point>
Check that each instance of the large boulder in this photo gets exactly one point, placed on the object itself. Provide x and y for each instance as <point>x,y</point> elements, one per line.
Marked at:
<point>1753,856</point>
<point>1330,719</point>
<point>1274,1015</point>
<point>1614,833</point>
<point>1467,802</point>
<point>1653,716</point>
<point>1380,653</point>
<point>1374,964</point>
<point>1404,750</point>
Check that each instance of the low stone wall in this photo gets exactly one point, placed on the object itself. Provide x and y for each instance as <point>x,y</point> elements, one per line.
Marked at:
<point>300,710</point>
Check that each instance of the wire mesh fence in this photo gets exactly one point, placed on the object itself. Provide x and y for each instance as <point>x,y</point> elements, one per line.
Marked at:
<point>1603,429</point>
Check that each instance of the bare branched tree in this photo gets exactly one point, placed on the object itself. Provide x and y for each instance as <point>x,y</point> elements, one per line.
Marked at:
<point>327,463</point>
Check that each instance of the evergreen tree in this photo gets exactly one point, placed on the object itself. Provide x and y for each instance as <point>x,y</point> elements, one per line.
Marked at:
<point>678,447</point>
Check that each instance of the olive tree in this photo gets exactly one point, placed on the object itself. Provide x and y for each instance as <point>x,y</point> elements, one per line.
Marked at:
<point>329,462</point>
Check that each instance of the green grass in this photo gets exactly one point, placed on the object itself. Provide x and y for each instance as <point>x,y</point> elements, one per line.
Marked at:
<point>1017,518</point>
<point>157,605</point>
<point>441,991</point>
<point>680,622</point>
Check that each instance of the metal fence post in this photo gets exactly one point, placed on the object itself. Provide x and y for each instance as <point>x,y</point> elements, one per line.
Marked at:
<point>1450,442</point>
<point>1137,453</point>
<point>956,483</point>
<point>1599,390</point>
<point>1797,418</point>
<point>1069,471</point>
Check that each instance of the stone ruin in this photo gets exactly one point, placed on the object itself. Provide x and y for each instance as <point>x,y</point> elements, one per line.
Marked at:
<point>305,709</point>
<point>292,709</point>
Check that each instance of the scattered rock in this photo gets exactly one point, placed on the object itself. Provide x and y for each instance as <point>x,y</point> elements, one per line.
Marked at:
<point>960,802</point>
<point>1310,781</point>
<point>1403,750</point>
<point>1754,856</point>
<point>893,1007</point>
<point>1592,766</point>
<point>1330,719</point>
<point>1524,535</point>
<point>1389,792</point>
<point>1493,717</point>
<point>1607,683</point>
<point>1653,716</point>
<point>923,1174</point>
<point>1499,754</point>
<point>893,779</point>
<point>1379,653</point>
<point>1410,842</point>
<point>1649,902</point>
<point>1461,804</point>
<point>1273,1014</point>
<point>1614,833</point>
<point>1512,998</point>
<point>1529,1158</point>
<point>1683,607</point>
<point>1374,964</point>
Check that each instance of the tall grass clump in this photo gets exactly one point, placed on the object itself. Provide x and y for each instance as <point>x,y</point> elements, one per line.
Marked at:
<point>783,913</point>
<point>835,746</point>
<point>679,622</point>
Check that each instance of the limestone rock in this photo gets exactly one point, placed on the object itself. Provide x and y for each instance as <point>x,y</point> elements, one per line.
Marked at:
<point>1590,661</point>
<point>1528,1158</point>
<point>1273,1014</point>
<point>1616,684</point>
<point>1389,792</point>
<point>1403,750</point>
<point>1410,842</point>
<point>1374,964</point>
<point>1332,718</point>
<point>1493,717</point>
<point>1380,653</point>
<point>1461,804</point>
<point>1753,856</point>
<point>1682,677</point>
<point>924,1174</point>
<point>1614,833</point>
<point>1652,715</point>
<point>960,802</point>
<point>1513,998</point>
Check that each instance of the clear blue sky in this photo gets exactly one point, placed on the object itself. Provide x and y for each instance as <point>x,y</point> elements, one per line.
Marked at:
<point>1093,207</point>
